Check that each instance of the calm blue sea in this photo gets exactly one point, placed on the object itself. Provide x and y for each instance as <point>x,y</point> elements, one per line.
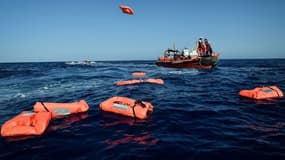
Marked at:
<point>198,114</point>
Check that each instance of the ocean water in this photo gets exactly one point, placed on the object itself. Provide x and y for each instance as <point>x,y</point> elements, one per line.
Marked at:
<point>198,114</point>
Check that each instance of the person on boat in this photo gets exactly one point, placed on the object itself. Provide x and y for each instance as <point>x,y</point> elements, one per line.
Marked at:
<point>176,55</point>
<point>200,47</point>
<point>208,48</point>
<point>186,53</point>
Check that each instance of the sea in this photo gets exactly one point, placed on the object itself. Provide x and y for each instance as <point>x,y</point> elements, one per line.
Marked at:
<point>198,113</point>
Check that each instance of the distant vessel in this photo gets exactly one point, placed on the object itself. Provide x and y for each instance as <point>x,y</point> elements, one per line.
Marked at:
<point>173,58</point>
<point>72,62</point>
<point>85,62</point>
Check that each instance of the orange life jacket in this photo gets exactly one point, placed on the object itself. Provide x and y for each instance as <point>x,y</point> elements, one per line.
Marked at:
<point>127,107</point>
<point>262,93</point>
<point>26,123</point>
<point>136,81</point>
<point>60,109</point>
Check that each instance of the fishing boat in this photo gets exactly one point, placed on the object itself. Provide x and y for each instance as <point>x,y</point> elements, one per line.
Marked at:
<point>85,62</point>
<point>173,58</point>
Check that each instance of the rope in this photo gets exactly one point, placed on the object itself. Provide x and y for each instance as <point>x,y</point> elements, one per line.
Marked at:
<point>274,90</point>
<point>44,106</point>
<point>133,108</point>
<point>141,103</point>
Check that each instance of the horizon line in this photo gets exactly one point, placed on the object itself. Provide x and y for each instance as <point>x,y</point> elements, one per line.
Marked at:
<point>127,60</point>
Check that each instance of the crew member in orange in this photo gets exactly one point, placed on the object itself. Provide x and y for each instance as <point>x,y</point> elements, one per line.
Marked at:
<point>200,47</point>
<point>208,48</point>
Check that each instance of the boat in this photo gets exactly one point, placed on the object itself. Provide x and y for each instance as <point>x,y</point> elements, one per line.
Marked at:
<point>174,59</point>
<point>85,62</point>
<point>72,62</point>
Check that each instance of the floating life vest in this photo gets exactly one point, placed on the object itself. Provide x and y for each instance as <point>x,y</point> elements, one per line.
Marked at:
<point>127,9</point>
<point>26,123</point>
<point>127,107</point>
<point>136,81</point>
<point>61,109</point>
<point>138,74</point>
<point>262,93</point>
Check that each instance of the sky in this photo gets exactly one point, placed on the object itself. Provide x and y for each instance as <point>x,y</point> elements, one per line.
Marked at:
<point>65,30</point>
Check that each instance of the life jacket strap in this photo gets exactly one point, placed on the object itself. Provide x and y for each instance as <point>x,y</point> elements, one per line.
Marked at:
<point>44,106</point>
<point>274,91</point>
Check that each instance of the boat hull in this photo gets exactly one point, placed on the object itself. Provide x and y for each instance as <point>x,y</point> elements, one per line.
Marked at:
<point>194,62</point>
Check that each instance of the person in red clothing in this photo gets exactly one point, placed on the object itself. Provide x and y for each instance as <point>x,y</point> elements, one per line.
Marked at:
<point>200,47</point>
<point>208,48</point>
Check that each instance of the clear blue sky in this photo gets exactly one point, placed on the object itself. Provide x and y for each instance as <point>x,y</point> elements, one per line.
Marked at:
<point>62,30</point>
